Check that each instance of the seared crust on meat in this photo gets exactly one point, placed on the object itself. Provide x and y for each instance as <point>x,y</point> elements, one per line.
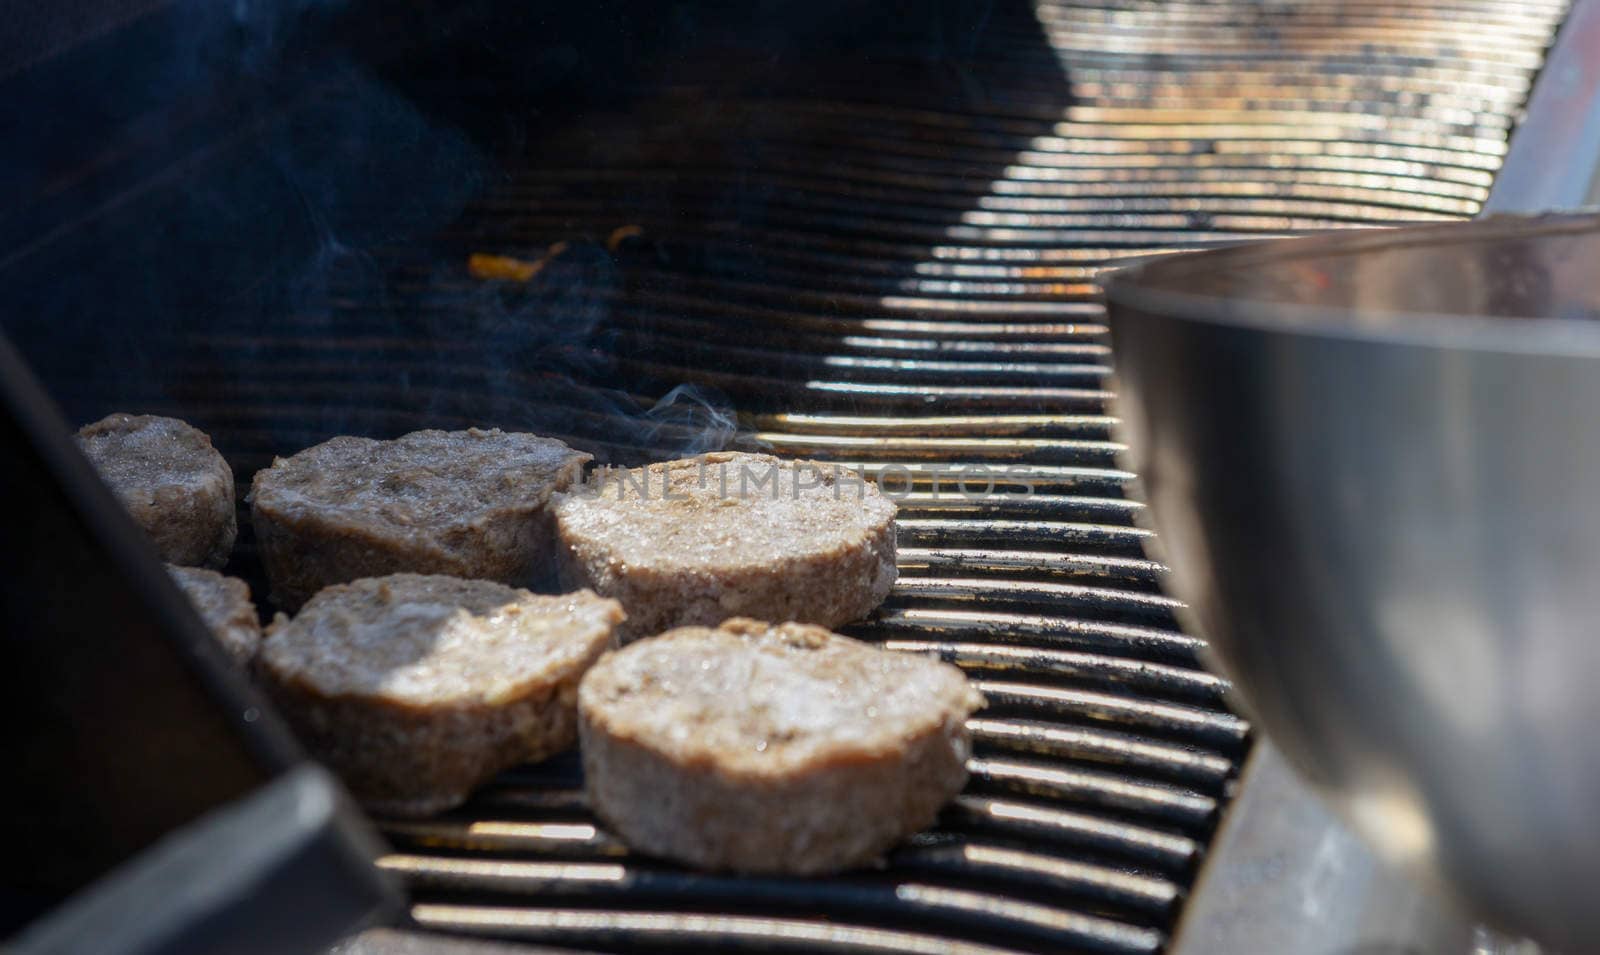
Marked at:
<point>417,689</point>
<point>225,606</point>
<point>771,748</point>
<point>171,480</point>
<point>464,503</point>
<point>728,534</point>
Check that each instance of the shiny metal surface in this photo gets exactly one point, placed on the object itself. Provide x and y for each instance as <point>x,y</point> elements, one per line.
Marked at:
<point>1373,471</point>
<point>1562,121</point>
<point>1285,875</point>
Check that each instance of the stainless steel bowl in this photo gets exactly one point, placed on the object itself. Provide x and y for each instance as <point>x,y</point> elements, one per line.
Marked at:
<point>1373,460</point>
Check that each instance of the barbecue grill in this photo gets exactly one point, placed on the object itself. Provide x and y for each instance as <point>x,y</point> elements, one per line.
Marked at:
<point>868,237</point>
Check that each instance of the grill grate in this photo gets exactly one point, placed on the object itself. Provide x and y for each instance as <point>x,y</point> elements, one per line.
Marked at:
<point>889,262</point>
<point>908,288</point>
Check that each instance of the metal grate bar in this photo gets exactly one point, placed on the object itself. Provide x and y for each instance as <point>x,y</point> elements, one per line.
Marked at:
<point>697,932</point>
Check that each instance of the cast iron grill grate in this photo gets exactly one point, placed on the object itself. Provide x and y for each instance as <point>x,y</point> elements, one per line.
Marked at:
<point>889,262</point>
<point>864,297</point>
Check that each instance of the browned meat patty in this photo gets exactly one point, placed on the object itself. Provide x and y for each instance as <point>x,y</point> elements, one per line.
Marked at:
<point>417,689</point>
<point>770,748</point>
<point>464,503</point>
<point>225,606</point>
<point>173,482</point>
<point>729,534</point>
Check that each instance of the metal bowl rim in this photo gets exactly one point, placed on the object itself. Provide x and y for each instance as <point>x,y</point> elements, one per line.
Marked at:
<point>1147,285</point>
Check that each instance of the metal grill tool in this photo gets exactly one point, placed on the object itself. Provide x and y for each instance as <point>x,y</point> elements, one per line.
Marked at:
<point>889,263</point>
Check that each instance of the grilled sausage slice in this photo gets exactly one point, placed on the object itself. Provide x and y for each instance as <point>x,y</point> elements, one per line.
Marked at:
<point>461,503</point>
<point>169,477</point>
<point>770,748</point>
<point>225,606</point>
<point>416,688</point>
<point>700,540</point>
